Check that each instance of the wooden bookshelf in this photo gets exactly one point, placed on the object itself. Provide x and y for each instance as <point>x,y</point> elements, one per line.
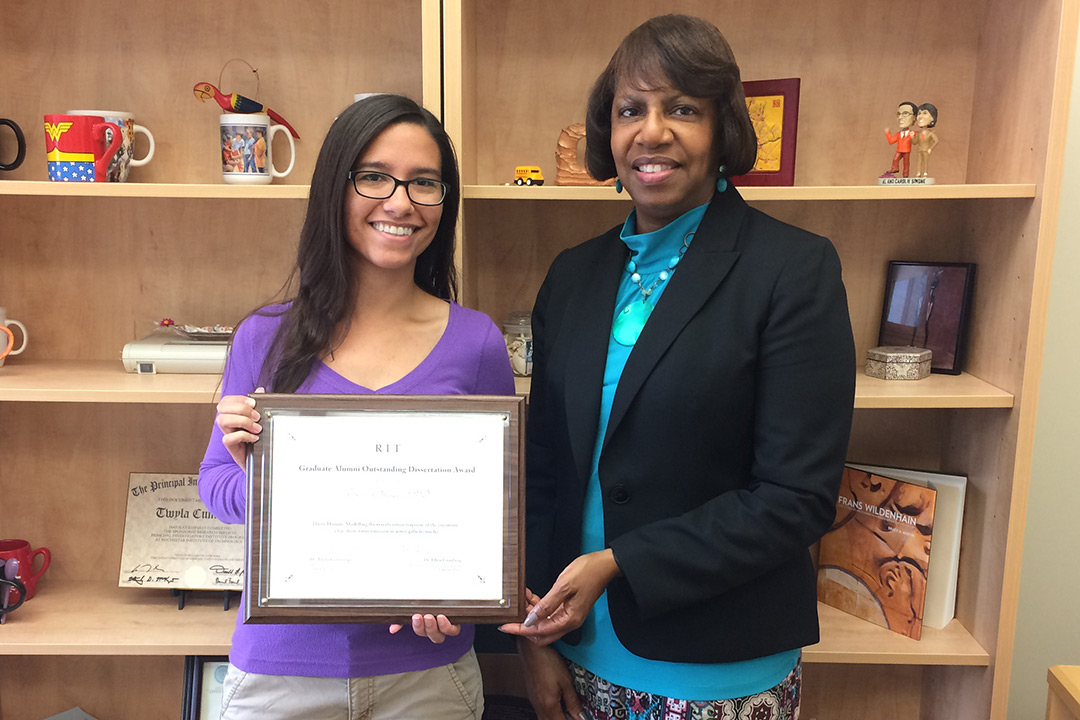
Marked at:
<point>89,268</point>
<point>994,204</point>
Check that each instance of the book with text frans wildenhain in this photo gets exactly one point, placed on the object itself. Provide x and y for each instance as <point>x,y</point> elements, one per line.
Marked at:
<point>873,562</point>
<point>940,607</point>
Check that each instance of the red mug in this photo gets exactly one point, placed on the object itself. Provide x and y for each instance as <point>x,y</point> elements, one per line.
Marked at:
<point>78,148</point>
<point>20,550</point>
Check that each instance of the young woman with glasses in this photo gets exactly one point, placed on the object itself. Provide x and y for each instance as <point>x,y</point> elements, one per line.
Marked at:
<point>373,312</point>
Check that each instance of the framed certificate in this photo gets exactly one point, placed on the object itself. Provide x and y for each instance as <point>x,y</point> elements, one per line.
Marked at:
<point>204,676</point>
<point>370,508</point>
<point>172,541</point>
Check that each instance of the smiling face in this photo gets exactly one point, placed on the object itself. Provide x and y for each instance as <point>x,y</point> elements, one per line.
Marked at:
<point>390,234</point>
<point>661,140</point>
<point>924,119</point>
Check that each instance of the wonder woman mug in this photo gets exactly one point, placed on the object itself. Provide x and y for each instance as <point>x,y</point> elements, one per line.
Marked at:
<point>77,148</point>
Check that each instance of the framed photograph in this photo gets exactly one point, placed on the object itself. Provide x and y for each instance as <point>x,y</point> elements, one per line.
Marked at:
<point>774,111</point>
<point>204,676</point>
<point>926,305</point>
<point>369,508</point>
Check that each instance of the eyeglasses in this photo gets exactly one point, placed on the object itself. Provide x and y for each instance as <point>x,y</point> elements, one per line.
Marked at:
<point>379,186</point>
<point>904,113</point>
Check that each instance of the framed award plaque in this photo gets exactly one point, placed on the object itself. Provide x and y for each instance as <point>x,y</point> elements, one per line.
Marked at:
<point>370,508</point>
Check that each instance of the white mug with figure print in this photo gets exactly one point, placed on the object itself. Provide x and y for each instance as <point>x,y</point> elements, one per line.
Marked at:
<point>246,154</point>
<point>4,340</point>
<point>121,164</point>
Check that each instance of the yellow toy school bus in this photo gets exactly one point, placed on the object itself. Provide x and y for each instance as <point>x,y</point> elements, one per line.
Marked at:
<point>528,175</point>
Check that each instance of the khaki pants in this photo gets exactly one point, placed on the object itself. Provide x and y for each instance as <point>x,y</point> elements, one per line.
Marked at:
<point>449,692</point>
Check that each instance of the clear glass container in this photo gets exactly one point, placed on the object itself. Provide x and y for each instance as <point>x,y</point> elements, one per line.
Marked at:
<point>518,333</point>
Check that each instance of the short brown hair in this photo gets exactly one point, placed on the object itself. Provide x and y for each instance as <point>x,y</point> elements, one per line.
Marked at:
<point>690,55</point>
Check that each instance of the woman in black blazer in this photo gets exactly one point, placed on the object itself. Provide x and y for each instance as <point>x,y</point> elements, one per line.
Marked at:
<point>692,394</point>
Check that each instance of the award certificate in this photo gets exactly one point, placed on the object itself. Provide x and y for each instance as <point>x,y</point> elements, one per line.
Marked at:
<point>368,508</point>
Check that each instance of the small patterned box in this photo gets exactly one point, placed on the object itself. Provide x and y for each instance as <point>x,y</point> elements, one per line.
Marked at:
<point>893,362</point>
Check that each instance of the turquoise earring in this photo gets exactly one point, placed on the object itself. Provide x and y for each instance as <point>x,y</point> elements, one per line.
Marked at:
<point>618,185</point>
<point>721,183</point>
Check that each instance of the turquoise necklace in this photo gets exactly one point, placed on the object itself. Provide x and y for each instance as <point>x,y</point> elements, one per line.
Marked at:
<point>628,324</point>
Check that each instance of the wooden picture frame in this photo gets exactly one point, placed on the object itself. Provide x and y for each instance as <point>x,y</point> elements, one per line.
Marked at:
<point>926,305</point>
<point>369,508</point>
<point>203,677</point>
<point>774,111</point>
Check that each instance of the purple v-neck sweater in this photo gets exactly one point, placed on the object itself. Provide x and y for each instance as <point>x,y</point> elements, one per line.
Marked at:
<point>469,359</point>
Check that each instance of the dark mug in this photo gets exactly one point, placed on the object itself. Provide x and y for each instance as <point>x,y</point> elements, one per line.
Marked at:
<point>6,586</point>
<point>20,139</point>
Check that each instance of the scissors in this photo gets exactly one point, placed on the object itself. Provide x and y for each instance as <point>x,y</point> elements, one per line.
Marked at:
<point>8,570</point>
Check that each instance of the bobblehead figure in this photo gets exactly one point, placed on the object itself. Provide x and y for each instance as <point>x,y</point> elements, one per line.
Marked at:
<point>905,119</point>
<point>925,138</point>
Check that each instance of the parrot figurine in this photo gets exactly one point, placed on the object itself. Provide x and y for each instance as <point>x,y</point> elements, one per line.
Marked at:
<point>239,104</point>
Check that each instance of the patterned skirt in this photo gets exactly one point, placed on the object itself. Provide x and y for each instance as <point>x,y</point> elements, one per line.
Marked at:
<point>605,701</point>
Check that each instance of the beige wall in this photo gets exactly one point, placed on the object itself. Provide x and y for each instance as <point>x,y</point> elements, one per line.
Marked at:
<point>1048,621</point>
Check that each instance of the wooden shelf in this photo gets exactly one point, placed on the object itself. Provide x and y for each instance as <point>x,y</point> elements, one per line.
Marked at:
<point>848,639</point>
<point>89,619</point>
<point>100,381</point>
<point>512,192</point>
<point>836,192</point>
<point>86,618</point>
<point>936,391</point>
<point>153,190</point>
<point>106,381</point>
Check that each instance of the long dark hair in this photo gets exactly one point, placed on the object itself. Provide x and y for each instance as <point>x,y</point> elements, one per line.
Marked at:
<point>326,295</point>
<point>693,57</point>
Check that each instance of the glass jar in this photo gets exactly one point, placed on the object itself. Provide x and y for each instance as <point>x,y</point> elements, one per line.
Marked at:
<point>518,333</point>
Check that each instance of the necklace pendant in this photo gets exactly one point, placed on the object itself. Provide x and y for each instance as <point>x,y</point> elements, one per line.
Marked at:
<point>628,324</point>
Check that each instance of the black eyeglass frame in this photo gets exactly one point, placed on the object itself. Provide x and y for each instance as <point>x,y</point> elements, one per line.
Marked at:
<point>398,183</point>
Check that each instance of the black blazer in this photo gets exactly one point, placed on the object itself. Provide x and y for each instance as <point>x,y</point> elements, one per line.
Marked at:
<point>726,442</point>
